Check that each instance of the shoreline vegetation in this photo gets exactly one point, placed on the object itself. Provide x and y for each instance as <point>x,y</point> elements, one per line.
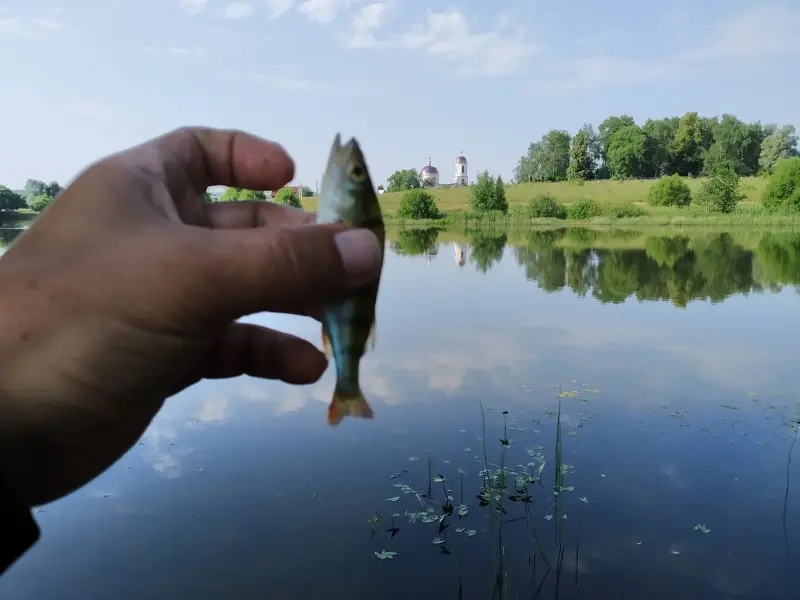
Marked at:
<point>618,203</point>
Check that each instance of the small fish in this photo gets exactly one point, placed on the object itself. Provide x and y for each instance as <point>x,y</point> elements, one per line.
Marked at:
<point>348,196</point>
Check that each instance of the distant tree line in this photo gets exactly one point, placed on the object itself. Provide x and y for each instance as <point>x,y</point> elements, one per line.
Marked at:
<point>37,195</point>
<point>689,145</point>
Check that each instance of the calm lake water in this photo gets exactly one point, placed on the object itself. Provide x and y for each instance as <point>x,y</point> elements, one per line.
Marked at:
<point>650,380</point>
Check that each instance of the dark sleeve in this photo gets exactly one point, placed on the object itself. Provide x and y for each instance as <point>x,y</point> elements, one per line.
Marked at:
<point>18,530</point>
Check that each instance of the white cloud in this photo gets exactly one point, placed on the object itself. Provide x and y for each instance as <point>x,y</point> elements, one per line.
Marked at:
<point>449,36</point>
<point>194,7</point>
<point>284,82</point>
<point>755,34</point>
<point>238,10</point>
<point>365,22</point>
<point>176,50</point>
<point>48,23</point>
<point>278,8</point>
<point>594,71</point>
<point>324,11</point>
<point>32,28</point>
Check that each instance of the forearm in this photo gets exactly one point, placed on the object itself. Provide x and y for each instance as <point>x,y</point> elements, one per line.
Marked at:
<point>19,530</point>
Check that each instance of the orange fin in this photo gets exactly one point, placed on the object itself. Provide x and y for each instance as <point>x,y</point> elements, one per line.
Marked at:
<point>326,344</point>
<point>351,404</point>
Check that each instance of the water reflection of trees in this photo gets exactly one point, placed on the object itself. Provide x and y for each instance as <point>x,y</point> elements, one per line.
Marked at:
<point>8,235</point>
<point>487,248</point>
<point>415,242</point>
<point>678,268</point>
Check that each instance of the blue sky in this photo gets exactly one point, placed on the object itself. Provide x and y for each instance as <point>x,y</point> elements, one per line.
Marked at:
<point>408,79</point>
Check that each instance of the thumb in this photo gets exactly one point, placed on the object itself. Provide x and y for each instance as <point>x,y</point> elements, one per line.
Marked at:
<point>282,269</point>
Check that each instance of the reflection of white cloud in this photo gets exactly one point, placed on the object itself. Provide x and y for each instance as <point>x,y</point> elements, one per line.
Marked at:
<point>731,365</point>
<point>675,477</point>
<point>214,408</point>
<point>160,451</point>
<point>383,379</point>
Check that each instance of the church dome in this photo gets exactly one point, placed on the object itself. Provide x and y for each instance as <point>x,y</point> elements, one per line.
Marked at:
<point>461,159</point>
<point>429,168</point>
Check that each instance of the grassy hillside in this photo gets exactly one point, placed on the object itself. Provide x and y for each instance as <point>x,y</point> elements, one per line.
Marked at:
<point>606,192</point>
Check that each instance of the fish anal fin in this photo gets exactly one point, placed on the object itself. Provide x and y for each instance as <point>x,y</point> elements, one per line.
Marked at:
<point>326,344</point>
<point>348,404</point>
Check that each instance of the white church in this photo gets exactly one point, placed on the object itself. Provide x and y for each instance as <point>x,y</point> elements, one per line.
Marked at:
<point>430,174</point>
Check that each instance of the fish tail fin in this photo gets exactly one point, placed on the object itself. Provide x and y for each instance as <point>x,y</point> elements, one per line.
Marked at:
<point>348,403</point>
<point>326,344</point>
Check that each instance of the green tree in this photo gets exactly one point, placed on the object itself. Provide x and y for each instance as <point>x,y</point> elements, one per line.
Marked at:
<point>782,193</point>
<point>405,179</point>
<point>721,192</point>
<point>670,190</point>
<point>10,200</point>
<point>735,145</point>
<point>777,146</point>
<point>546,160</point>
<point>40,202</point>
<point>545,207</point>
<point>307,192</point>
<point>486,196</point>
<point>626,152</point>
<point>693,137</point>
<point>581,165</point>
<point>418,204</point>
<point>207,198</point>
<point>584,208</point>
<point>660,134</point>
<point>607,129</point>
<point>35,187</point>
<point>288,197</point>
<point>234,194</point>
<point>500,200</point>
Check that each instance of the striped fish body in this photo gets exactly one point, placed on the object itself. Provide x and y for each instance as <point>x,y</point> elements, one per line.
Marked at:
<point>348,196</point>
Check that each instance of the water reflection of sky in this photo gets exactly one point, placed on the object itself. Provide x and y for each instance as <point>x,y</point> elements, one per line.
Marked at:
<point>240,489</point>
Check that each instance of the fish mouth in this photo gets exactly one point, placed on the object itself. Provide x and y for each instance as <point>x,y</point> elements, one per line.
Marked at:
<point>337,142</point>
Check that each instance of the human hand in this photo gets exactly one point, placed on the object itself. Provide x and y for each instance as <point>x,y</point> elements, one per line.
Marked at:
<point>125,291</point>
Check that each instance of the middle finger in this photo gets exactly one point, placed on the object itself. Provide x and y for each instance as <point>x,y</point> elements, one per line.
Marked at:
<point>251,214</point>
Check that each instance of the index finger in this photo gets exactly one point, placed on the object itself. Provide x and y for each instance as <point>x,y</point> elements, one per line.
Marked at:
<point>208,156</point>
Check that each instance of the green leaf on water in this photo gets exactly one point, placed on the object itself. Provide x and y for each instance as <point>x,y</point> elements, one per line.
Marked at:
<point>459,530</point>
<point>584,499</point>
<point>438,540</point>
<point>395,499</point>
<point>383,554</point>
<point>439,478</point>
<point>470,532</point>
<point>462,510</point>
<point>548,517</point>
<point>413,458</point>
<point>702,527</point>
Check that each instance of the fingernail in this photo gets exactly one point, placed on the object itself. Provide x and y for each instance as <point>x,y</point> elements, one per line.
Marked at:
<point>361,254</point>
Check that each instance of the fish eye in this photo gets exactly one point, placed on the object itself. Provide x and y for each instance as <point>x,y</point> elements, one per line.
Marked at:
<point>358,174</point>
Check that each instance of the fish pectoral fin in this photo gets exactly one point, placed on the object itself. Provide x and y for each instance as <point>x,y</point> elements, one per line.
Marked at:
<point>348,404</point>
<point>326,344</point>
<point>372,336</point>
